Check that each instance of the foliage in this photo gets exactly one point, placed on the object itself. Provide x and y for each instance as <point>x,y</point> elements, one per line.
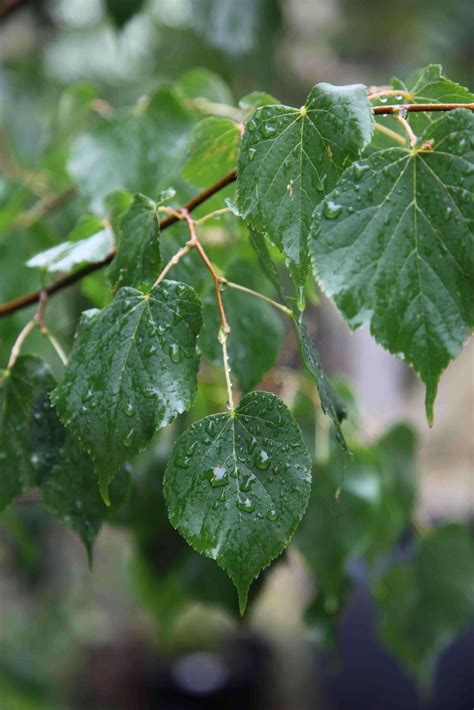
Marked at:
<point>388,232</point>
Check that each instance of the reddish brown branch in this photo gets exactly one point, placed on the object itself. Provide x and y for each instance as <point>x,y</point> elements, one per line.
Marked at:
<point>194,241</point>
<point>65,281</point>
<point>413,108</point>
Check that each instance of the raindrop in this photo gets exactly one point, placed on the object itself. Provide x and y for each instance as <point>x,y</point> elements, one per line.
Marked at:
<point>129,409</point>
<point>447,213</point>
<point>246,505</point>
<point>128,438</point>
<point>332,209</point>
<point>272,514</point>
<point>174,352</point>
<point>262,460</point>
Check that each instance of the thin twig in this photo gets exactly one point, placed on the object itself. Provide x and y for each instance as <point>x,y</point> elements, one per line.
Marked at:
<point>70,279</point>
<point>202,253</point>
<point>244,289</point>
<point>56,346</point>
<point>41,320</point>
<point>416,108</point>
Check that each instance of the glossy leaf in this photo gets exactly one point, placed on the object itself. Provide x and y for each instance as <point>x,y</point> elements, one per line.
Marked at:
<point>249,318</point>
<point>90,242</point>
<point>132,370</point>
<point>291,158</point>
<point>393,247</point>
<point>19,390</point>
<point>237,486</point>
<point>423,604</point>
<point>138,261</point>
<point>213,151</point>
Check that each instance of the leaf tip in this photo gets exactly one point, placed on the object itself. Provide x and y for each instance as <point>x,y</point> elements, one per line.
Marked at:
<point>243,593</point>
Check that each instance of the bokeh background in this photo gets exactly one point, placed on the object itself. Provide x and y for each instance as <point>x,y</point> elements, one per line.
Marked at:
<point>110,639</point>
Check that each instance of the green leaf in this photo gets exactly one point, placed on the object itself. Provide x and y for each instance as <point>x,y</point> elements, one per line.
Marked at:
<point>291,158</point>
<point>256,329</point>
<point>393,247</point>
<point>132,370</point>
<point>237,486</point>
<point>330,403</point>
<point>66,476</point>
<point>213,151</point>
<point>430,86</point>
<point>141,150</point>
<point>19,390</point>
<point>423,604</point>
<point>138,260</point>
<point>89,243</point>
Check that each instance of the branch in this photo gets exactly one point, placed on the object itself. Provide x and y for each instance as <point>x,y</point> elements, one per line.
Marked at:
<point>69,280</point>
<point>416,108</point>
<point>65,281</point>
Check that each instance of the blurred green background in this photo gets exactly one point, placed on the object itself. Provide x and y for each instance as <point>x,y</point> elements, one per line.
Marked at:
<point>155,625</point>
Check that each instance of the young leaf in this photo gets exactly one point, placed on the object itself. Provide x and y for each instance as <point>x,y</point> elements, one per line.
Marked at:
<point>66,476</point>
<point>423,604</point>
<point>138,259</point>
<point>90,242</point>
<point>132,370</point>
<point>200,83</point>
<point>237,486</point>
<point>213,151</point>
<point>291,158</point>
<point>393,247</point>
<point>330,403</point>
<point>19,390</point>
<point>141,150</point>
<point>248,317</point>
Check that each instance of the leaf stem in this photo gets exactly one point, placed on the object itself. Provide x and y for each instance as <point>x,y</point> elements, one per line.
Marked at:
<point>173,261</point>
<point>225,357</point>
<point>408,129</point>
<point>211,215</point>
<point>41,320</point>
<point>18,344</point>
<point>251,292</point>
<point>389,133</point>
